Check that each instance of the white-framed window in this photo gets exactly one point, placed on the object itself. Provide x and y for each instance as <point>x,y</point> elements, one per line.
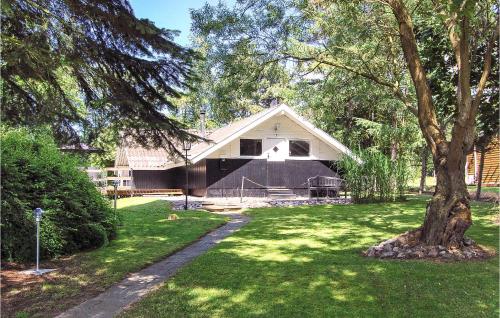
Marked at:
<point>299,148</point>
<point>250,147</point>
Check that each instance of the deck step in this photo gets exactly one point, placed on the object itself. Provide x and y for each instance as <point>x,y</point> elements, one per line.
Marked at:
<point>221,208</point>
<point>280,193</point>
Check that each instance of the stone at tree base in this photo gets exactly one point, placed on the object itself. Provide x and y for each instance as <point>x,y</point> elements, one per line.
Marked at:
<point>409,246</point>
<point>387,254</point>
<point>433,253</point>
<point>388,247</point>
<point>468,241</point>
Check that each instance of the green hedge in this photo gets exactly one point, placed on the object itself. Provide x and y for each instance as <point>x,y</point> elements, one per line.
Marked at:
<point>36,174</point>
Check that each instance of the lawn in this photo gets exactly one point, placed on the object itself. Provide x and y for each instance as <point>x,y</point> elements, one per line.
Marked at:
<point>306,262</point>
<point>145,237</point>
<point>484,189</point>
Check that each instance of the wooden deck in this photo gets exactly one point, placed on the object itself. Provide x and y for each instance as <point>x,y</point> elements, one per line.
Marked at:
<point>139,192</point>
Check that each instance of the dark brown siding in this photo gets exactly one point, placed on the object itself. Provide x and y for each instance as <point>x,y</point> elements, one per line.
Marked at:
<point>213,177</point>
<point>151,179</point>
<point>291,174</point>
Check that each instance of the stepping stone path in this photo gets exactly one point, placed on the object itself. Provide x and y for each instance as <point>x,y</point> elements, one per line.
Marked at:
<point>137,285</point>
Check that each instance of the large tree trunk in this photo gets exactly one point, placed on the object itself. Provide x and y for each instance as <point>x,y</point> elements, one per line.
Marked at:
<point>480,177</point>
<point>448,213</point>
<point>423,172</point>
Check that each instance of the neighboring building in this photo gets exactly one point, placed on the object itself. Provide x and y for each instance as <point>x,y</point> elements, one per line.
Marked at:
<point>274,148</point>
<point>491,170</point>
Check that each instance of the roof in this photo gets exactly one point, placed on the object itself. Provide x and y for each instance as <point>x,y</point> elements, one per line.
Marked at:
<point>81,147</point>
<point>137,157</point>
<point>225,132</point>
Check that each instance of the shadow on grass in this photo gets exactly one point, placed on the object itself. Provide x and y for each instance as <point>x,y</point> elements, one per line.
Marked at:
<point>143,239</point>
<point>305,262</point>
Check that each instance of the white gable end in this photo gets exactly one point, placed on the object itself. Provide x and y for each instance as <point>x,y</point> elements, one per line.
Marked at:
<point>276,133</point>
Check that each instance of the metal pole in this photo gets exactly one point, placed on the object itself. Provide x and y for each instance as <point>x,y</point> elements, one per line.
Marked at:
<point>114,203</point>
<point>37,245</point>
<point>187,187</point>
<point>241,194</point>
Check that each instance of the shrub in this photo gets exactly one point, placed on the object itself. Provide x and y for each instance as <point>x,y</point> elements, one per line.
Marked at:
<point>377,178</point>
<point>36,174</point>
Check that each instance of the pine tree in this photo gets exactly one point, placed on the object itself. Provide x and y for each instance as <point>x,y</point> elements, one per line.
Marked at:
<point>80,65</point>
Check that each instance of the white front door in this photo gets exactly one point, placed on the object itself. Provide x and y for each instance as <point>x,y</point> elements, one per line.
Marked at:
<point>275,148</point>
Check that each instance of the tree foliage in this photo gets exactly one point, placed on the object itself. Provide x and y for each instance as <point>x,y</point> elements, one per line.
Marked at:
<point>288,51</point>
<point>79,66</point>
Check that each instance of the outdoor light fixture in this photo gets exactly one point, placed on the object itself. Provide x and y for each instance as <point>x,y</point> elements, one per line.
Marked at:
<point>186,146</point>
<point>116,183</point>
<point>38,218</point>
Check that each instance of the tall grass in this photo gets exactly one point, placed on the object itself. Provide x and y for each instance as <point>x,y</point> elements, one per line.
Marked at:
<point>377,178</point>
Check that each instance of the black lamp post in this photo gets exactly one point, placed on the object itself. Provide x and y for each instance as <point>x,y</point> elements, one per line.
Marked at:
<point>116,183</point>
<point>186,146</point>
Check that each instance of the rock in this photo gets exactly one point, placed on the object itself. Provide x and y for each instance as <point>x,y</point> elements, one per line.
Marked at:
<point>390,241</point>
<point>418,254</point>
<point>401,255</point>
<point>442,253</point>
<point>406,246</point>
<point>441,247</point>
<point>395,249</point>
<point>433,253</point>
<point>468,241</point>
<point>467,254</point>
<point>387,254</point>
<point>371,252</point>
<point>388,247</point>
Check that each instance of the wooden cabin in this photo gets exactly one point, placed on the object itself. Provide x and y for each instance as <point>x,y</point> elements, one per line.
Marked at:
<point>491,170</point>
<point>275,148</point>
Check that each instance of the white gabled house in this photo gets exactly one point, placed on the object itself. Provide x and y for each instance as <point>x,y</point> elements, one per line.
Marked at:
<point>275,148</point>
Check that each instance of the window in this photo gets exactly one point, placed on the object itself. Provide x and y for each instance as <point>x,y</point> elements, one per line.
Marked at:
<point>250,147</point>
<point>299,148</point>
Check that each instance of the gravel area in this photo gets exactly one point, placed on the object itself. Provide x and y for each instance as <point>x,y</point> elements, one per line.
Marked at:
<point>195,203</point>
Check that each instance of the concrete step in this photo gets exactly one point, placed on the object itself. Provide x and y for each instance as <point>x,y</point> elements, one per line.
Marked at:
<point>279,190</point>
<point>282,195</point>
<point>221,208</point>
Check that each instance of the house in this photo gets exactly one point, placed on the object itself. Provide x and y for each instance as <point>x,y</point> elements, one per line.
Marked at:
<point>491,170</point>
<point>275,148</point>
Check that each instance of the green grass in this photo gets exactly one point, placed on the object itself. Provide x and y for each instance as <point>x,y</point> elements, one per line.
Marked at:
<point>145,237</point>
<point>306,262</point>
<point>484,189</point>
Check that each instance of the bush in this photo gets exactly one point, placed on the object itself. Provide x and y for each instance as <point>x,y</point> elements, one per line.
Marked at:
<point>377,178</point>
<point>36,174</point>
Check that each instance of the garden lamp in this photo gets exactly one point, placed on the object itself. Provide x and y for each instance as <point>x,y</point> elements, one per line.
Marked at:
<point>186,146</point>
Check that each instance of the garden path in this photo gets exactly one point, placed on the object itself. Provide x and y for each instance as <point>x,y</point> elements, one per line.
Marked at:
<point>137,285</point>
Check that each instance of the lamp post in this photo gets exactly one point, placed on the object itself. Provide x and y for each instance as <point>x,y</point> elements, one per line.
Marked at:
<point>38,217</point>
<point>115,185</point>
<point>186,146</point>
<point>37,271</point>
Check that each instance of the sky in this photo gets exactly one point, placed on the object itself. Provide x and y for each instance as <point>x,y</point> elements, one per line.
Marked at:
<point>169,14</point>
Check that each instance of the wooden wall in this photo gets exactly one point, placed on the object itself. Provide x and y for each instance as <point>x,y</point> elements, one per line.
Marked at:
<point>151,179</point>
<point>216,177</point>
<point>491,172</point>
<point>223,178</point>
